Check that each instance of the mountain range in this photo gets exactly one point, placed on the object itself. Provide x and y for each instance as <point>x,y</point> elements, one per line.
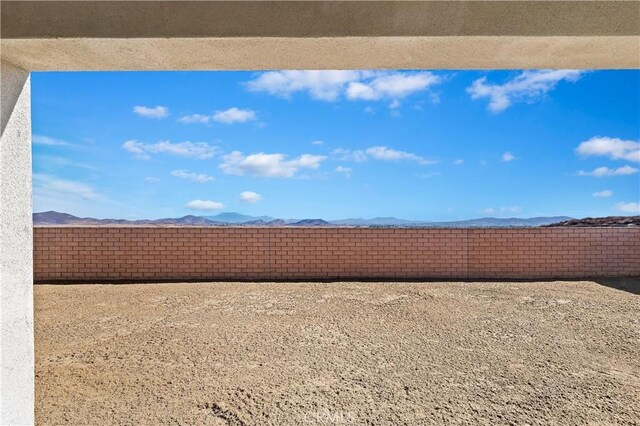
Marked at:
<point>237,219</point>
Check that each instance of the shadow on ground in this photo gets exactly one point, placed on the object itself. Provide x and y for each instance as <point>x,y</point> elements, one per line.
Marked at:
<point>631,285</point>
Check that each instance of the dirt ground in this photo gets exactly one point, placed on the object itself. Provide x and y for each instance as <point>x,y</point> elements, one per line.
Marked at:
<point>338,353</point>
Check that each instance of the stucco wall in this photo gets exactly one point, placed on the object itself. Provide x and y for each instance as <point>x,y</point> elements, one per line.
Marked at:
<point>364,34</point>
<point>68,254</point>
<point>16,289</point>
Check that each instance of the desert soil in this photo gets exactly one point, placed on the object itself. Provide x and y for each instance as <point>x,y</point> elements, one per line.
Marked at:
<point>338,353</point>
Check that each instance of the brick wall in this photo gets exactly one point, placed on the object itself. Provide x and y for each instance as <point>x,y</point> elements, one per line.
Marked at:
<point>85,254</point>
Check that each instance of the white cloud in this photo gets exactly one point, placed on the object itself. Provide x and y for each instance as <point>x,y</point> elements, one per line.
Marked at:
<point>204,205</point>
<point>628,207</point>
<point>152,179</point>
<point>50,186</point>
<point>228,116</point>
<point>428,175</point>
<point>250,197</point>
<point>234,115</point>
<point>199,150</point>
<point>369,110</point>
<point>606,171</point>
<point>458,162</point>
<point>393,85</point>
<point>381,153</point>
<point>136,148</point>
<point>322,85</point>
<point>268,165</point>
<point>354,85</point>
<point>344,170</point>
<point>614,148</point>
<point>603,194</point>
<point>156,112</point>
<point>54,161</point>
<point>502,210</point>
<point>384,153</point>
<point>343,154</point>
<point>527,86</point>
<point>507,156</point>
<point>195,118</point>
<point>194,177</point>
<point>317,143</point>
<point>48,141</point>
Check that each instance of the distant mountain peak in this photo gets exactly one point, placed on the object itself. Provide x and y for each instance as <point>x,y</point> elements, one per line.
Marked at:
<point>311,222</point>
<point>233,217</point>
<point>238,219</point>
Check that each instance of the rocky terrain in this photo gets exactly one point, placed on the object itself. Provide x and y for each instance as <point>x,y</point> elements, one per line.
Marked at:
<point>610,221</point>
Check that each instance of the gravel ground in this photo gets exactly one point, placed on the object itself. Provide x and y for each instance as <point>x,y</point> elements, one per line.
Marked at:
<point>338,353</point>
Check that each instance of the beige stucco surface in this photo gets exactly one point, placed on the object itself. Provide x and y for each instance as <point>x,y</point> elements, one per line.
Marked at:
<point>188,35</point>
<point>427,18</point>
<point>473,52</point>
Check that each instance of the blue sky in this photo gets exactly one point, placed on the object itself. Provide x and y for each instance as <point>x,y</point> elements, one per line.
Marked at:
<point>430,145</point>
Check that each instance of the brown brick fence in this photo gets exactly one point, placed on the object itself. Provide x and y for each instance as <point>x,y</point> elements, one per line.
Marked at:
<point>147,254</point>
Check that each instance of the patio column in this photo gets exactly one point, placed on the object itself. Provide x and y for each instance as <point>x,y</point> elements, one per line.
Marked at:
<point>16,250</point>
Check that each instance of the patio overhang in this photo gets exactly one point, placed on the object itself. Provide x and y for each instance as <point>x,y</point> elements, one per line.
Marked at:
<point>197,35</point>
<point>254,35</point>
